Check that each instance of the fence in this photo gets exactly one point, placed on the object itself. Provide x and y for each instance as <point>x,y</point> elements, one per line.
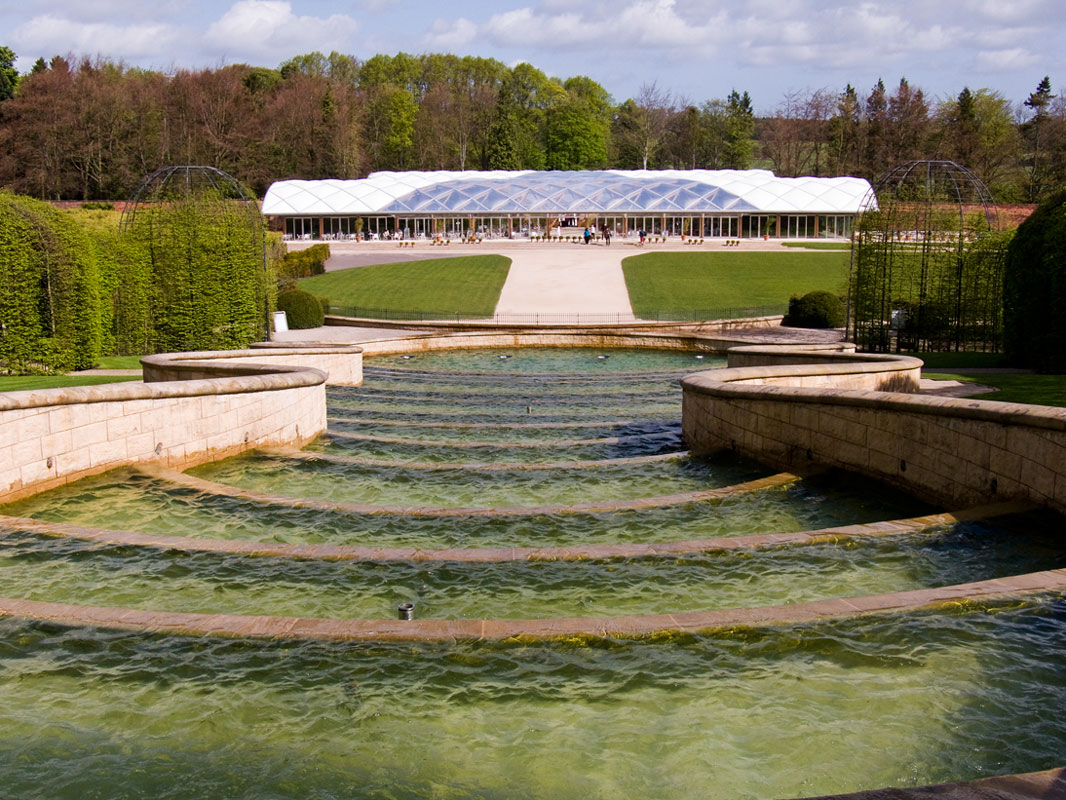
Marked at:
<point>617,318</point>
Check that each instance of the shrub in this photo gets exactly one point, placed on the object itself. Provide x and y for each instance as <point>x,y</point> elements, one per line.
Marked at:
<point>302,308</point>
<point>1034,290</point>
<point>299,264</point>
<point>324,302</point>
<point>818,309</point>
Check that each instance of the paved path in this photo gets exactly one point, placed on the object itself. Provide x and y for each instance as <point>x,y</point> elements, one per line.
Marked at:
<point>566,279</point>
<point>546,278</point>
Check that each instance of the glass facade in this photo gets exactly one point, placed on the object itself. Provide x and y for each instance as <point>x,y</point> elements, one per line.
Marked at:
<point>696,203</point>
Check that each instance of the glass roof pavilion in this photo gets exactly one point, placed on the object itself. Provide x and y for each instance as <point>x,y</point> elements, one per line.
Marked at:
<point>652,195</point>
<point>559,192</point>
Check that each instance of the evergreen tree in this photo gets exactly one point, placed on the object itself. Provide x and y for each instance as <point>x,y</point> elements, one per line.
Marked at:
<point>1037,161</point>
<point>876,155</point>
<point>740,143</point>
<point>845,130</point>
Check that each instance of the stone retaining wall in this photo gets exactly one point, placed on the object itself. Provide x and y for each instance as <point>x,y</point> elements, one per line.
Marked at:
<point>194,407</point>
<point>833,410</point>
<point>343,364</point>
<point>554,338</point>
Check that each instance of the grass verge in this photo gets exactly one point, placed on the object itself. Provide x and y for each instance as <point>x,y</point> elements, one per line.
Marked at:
<point>680,281</point>
<point>119,362</point>
<point>19,383</point>
<point>951,361</point>
<point>819,245</point>
<point>1044,390</point>
<point>467,285</point>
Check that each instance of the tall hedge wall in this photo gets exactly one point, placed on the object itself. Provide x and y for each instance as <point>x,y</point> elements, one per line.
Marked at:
<point>50,310</point>
<point>1034,290</point>
<point>199,279</point>
<point>189,274</point>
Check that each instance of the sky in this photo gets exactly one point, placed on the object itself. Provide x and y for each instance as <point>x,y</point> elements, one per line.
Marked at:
<point>694,49</point>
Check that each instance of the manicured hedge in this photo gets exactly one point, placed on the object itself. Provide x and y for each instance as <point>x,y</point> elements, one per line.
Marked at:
<point>188,274</point>
<point>50,309</point>
<point>1034,290</point>
<point>203,261</point>
<point>818,309</point>
<point>303,264</point>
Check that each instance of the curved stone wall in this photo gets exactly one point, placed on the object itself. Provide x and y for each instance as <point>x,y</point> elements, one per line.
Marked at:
<point>193,407</point>
<point>343,365</point>
<point>549,338</point>
<point>797,410</point>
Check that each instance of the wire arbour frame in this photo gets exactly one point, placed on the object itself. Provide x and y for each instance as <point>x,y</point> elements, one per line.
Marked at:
<point>926,268</point>
<point>184,181</point>
<point>172,185</point>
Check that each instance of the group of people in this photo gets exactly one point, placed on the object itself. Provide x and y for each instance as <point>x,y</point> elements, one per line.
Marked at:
<point>605,232</point>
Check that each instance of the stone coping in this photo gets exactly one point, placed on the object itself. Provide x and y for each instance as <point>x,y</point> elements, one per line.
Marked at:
<point>392,423</point>
<point>265,498</point>
<point>732,382</point>
<point>366,437</point>
<point>524,336</point>
<point>262,378</point>
<point>328,552</point>
<point>645,626</point>
<point>304,455</point>
<point>1047,785</point>
<point>207,364</point>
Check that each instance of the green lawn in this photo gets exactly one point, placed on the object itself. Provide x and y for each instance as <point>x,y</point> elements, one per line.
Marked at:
<point>684,281</point>
<point>18,383</point>
<point>1045,390</point>
<point>949,361</point>
<point>466,285</point>
<point>119,362</point>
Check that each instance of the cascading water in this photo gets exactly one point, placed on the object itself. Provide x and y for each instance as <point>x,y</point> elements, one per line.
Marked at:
<point>470,450</point>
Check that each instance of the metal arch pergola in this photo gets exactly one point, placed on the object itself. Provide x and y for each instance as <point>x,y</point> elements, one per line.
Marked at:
<point>188,179</point>
<point>924,273</point>
<point>184,182</point>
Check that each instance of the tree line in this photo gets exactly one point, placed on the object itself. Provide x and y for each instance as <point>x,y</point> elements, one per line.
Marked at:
<point>81,129</point>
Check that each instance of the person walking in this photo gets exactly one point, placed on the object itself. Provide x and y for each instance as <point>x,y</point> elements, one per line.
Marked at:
<point>588,235</point>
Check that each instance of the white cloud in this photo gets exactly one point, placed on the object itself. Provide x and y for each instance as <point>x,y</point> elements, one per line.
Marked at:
<point>109,11</point>
<point>450,36</point>
<point>1012,59</point>
<point>525,27</point>
<point>51,35</point>
<point>1001,10</point>
<point>268,30</point>
<point>643,23</point>
<point>377,6</point>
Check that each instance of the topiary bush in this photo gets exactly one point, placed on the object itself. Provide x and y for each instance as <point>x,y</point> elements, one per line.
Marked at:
<point>302,309</point>
<point>818,309</point>
<point>1034,290</point>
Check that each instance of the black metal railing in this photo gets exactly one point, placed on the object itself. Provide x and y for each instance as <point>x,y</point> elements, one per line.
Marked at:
<point>548,318</point>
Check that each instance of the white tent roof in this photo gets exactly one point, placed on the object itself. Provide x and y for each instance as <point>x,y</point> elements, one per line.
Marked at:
<point>534,192</point>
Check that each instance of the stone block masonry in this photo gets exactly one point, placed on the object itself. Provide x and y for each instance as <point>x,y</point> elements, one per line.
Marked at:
<point>194,407</point>
<point>846,411</point>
